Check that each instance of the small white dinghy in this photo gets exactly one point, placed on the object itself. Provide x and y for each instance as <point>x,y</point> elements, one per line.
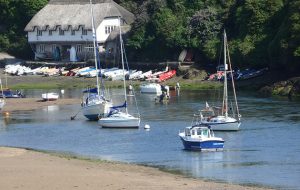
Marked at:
<point>50,96</point>
<point>2,100</point>
<point>151,88</point>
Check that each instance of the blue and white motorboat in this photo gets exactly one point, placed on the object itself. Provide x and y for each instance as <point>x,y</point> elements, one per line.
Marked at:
<point>201,137</point>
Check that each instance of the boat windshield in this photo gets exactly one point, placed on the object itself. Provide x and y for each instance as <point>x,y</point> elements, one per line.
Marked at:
<point>207,113</point>
<point>205,132</point>
<point>187,132</point>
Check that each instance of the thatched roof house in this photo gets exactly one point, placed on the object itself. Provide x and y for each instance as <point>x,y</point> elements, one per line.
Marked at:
<point>76,13</point>
<point>65,24</point>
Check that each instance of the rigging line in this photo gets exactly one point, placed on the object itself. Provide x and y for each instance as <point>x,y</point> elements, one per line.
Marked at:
<point>94,44</point>
<point>126,61</point>
<point>233,85</point>
<point>122,58</point>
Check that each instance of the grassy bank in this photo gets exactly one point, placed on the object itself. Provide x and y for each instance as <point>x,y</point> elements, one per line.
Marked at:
<point>63,82</point>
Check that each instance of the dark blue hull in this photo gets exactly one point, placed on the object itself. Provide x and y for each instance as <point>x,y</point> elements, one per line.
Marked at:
<point>94,117</point>
<point>209,145</point>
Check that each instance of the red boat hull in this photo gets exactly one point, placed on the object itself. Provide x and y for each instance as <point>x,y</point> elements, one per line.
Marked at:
<point>167,75</point>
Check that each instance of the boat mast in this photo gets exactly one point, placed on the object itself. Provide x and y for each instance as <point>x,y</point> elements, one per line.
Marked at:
<point>233,86</point>
<point>225,96</point>
<point>122,59</point>
<point>94,43</point>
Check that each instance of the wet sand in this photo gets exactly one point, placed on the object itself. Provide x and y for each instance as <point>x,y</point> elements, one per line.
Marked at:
<point>26,169</point>
<point>19,104</point>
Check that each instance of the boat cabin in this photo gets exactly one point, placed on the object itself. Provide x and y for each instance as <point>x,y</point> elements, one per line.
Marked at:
<point>198,132</point>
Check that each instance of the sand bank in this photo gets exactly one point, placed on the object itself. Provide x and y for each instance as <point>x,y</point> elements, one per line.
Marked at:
<point>25,169</point>
<point>18,104</point>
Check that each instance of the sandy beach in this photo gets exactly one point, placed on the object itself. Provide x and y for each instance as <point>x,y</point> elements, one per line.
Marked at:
<point>19,104</point>
<point>26,169</point>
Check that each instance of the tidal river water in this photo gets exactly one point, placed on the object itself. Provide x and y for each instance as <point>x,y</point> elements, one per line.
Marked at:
<point>265,152</point>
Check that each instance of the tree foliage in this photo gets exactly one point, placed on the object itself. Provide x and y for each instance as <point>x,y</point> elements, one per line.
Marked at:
<point>15,14</point>
<point>260,33</point>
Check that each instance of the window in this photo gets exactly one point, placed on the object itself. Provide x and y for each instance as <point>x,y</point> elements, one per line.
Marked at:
<point>50,32</point>
<point>53,47</point>
<point>109,29</point>
<point>84,32</point>
<point>61,32</point>
<point>39,32</point>
<point>41,48</point>
<point>78,48</point>
<point>90,48</point>
<point>73,32</point>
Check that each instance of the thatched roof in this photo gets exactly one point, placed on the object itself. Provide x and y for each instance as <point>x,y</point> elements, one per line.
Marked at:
<point>76,13</point>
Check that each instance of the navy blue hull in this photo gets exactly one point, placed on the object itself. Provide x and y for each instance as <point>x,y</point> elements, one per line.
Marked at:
<point>211,145</point>
<point>92,117</point>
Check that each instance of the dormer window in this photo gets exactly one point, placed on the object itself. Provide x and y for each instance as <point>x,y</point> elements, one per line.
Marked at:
<point>50,32</point>
<point>39,32</point>
<point>109,29</point>
<point>73,32</point>
<point>61,32</point>
<point>84,32</point>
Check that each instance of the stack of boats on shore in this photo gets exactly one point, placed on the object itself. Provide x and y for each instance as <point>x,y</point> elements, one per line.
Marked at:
<point>112,74</point>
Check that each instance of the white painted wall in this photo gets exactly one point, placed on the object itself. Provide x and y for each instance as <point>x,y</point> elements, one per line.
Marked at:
<point>78,37</point>
<point>55,37</point>
<point>100,31</point>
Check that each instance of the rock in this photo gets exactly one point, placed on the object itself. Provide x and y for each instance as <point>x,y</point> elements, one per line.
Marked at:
<point>290,88</point>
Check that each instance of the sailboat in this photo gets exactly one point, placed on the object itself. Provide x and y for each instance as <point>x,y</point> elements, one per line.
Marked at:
<point>2,100</point>
<point>95,104</point>
<point>116,117</point>
<point>218,117</point>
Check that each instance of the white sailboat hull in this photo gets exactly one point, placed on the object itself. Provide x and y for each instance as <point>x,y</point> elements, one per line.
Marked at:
<point>151,88</point>
<point>220,123</point>
<point>120,120</point>
<point>94,111</point>
<point>2,103</point>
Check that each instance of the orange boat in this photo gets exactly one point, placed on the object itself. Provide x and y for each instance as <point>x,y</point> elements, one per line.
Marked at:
<point>167,75</point>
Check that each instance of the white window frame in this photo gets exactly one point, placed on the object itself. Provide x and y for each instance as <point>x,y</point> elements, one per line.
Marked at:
<point>78,48</point>
<point>39,32</point>
<point>41,48</point>
<point>84,32</point>
<point>53,47</point>
<point>61,32</point>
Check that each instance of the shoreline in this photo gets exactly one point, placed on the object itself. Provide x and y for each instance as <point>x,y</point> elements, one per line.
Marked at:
<point>47,170</point>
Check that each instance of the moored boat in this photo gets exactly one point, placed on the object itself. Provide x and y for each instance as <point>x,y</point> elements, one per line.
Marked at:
<point>8,93</point>
<point>151,88</point>
<point>167,75</point>
<point>96,104</point>
<point>200,137</point>
<point>2,100</point>
<point>119,120</point>
<point>50,96</point>
<point>219,118</point>
<point>116,117</point>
